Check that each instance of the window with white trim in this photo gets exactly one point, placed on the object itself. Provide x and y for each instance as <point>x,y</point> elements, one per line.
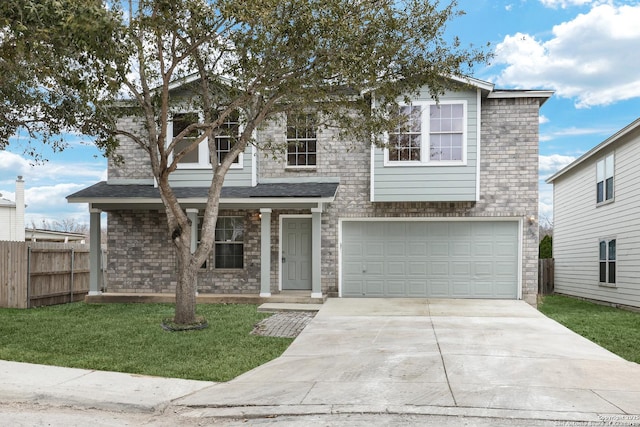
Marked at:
<point>604,179</point>
<point>180,122</point>
<point>302,141</point>
<point>607,255</point>
<point>226,135</point>
<point>405,142</point>
<point>229,242</point>
<point>446,130</point>
<point>436,138</point>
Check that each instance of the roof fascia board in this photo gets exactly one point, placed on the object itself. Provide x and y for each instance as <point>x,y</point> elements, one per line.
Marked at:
<point>545,94</point>
<point>202,200</point>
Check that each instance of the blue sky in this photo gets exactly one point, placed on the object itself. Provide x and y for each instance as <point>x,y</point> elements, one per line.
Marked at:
<point>584,50</point>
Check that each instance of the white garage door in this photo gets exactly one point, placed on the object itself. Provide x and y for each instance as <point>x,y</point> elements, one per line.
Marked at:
<point>437,259</point>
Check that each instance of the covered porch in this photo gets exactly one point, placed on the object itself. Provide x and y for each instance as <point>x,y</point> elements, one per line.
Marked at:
<point>307,198</point>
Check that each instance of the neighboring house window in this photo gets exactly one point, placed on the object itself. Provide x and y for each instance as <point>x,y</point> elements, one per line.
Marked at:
<point>301,140</point>
<point>229,242</point>
<point>436,139</point>
<point>446,131</point>
<point>608,261</point>
<point>405,142</point>
<point>604,179</point>
<point>227,135</point>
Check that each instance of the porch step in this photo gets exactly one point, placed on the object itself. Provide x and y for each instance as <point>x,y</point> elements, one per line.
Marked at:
<point>275,307</point>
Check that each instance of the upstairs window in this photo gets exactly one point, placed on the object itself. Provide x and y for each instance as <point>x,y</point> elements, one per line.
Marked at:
<point>432,134</point>
<point>226,136</point>
<point>446,131</point>
<point>405,142</point>
<point>608,261</point>
<point>604,179</point>
<point>180,123</point>
<point>302,142</point>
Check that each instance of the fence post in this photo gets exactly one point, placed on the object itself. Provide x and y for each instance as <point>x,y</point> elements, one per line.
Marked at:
<point>28,276</point>
<point>71,278</point>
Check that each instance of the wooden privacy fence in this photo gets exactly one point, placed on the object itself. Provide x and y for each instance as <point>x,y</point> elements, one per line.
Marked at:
<point>34,274</point>
<point>545,276</point>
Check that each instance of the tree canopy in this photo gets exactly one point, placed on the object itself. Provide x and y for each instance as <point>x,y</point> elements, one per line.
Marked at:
<point>79,65</point>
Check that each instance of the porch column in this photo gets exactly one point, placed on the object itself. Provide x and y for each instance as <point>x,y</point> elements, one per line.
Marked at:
<point>95,253</point>
<point>265,252</point>
<point>316,252</point>
<point>192,214</point>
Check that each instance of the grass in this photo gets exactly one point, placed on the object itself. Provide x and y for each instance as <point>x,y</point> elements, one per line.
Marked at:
<point>129,338</point>
<point>615,329</point>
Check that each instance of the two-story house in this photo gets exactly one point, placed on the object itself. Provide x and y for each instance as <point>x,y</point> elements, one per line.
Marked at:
<point>596,230</point>
<point>446,210</point>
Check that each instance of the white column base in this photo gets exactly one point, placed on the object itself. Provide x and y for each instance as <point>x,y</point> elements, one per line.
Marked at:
<point>265,294</point>
<point>316,294</point>
<point>94,293</point>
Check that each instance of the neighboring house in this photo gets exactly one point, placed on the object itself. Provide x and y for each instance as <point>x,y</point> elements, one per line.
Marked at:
<point>596,231</point>
<point>41,235</point>
<point>12,215</point>
<point>448,211</point>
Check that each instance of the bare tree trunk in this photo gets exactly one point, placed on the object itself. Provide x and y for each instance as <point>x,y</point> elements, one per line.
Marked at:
<point>186,287</point>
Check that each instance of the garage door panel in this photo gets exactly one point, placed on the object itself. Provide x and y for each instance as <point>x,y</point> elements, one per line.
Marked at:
<point>438,248</point>
<point>373,268</point>
<point>396,248</point>
<point>418,268</point>
<point>465,259</point>
<point>416,288</point>
<point>440,268</point>
<point>396,288</point>
<point>417,249</point>
<point>461,269</point>
<point>374,288</point>
<point>439,289</point>
<point>396,268</point>
<point>374,249</point>
<point>481,269</point>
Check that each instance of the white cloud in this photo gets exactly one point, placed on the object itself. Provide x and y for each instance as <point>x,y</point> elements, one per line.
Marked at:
<point>49,203</point>
<point>543,119</point>
<point>553,163</point>
<point>13,163</point>
<point>566,3</point>
<point>591,59</point>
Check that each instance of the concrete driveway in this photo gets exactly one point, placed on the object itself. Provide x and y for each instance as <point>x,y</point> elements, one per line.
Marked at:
<point>476,358</point>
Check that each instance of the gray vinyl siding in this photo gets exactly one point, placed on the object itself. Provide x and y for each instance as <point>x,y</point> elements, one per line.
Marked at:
<point>202,177</point>
<point>579,225</point>
<point>432,183</point>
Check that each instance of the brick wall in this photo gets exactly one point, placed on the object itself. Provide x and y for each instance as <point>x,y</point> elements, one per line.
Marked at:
<point>142,257</point>
<point>136,160</point>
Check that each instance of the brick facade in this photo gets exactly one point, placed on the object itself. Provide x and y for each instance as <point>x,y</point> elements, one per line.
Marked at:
<point>141,256</point>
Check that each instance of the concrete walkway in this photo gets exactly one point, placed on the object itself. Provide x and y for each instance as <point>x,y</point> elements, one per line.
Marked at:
<point>500,361</point>
<point>476,358</point>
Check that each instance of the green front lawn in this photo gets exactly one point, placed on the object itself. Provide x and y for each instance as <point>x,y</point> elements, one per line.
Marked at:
<point>615,329</point>
<point>129,338</point>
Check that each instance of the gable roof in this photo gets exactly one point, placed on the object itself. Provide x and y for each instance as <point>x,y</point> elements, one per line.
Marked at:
<point>635,125</point>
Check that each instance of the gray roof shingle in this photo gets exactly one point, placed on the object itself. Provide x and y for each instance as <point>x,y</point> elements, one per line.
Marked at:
<point>102,190</point>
